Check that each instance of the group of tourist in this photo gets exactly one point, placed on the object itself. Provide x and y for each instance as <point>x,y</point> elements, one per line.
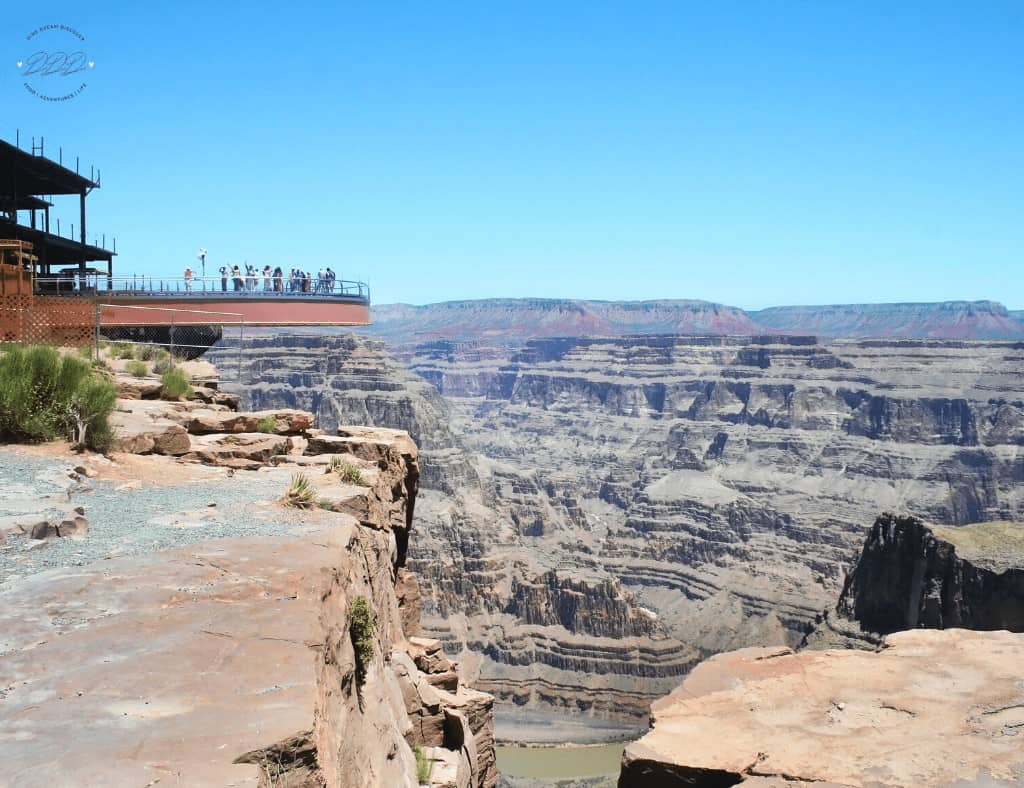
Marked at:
<point>273,280</point>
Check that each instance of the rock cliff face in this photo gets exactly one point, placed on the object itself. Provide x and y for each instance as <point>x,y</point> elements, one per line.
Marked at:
<point>381,688</point>
<point>912,575</point>
<point>614,509</point>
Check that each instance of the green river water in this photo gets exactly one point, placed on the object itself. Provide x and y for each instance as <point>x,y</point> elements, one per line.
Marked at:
<point>590,761</point>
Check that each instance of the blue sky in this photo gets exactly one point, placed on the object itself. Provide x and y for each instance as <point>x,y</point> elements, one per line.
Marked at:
<point>752,153</point>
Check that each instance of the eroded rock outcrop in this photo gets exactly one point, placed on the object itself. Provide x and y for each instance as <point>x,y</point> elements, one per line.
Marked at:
<point>379,690</point>
<point>950,701</point>
<point>911,574</point>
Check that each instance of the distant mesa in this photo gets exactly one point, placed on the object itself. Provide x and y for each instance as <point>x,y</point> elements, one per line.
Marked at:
<point>940,320</point>
<point>511,321</point>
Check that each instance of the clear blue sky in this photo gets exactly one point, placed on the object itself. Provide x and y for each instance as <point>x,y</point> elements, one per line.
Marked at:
<point>752,153</point>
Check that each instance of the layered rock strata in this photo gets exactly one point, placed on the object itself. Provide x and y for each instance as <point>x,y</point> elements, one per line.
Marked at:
<point>713,487</point>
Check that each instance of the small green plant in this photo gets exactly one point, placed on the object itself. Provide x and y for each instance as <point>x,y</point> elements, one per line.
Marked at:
<point>360,629</point>
<point>123,350</point>
<point>137,369</point>
<point>424,765</point>
<point>85,351</point>
<point>300,493</point>
<point>349,473</point>
<point>266,424</point>
<point>175,384</point>
<point>161,365</point>
<point>100,363</point>
<point>145,352</point>
<point>326,504</point>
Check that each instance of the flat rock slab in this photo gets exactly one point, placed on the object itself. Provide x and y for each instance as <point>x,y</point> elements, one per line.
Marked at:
<point>935,707</point>
<point>161,669</point>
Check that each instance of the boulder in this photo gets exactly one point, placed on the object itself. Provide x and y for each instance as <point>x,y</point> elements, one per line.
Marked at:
<point>216,397</point>
<point>44,530</point>
<point>286,422</point>
<point>141,433</point>
<point>239,450</point>
<point>129,387</point>
<point>76,527</point>
<point>428,655</point>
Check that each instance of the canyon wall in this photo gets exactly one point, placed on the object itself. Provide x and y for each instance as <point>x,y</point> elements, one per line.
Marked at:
<point>603,513</point>
<point>911,574</point>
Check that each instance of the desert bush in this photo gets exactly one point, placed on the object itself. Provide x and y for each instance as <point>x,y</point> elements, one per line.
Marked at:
<point>300,493</point>
<point>122,350</point>
<point>44,395</point>
<point>85,351</point>
<point>348,472</point>
<point>266,424</point>
<point>137,369</point>
<point>145,352</point>
<point>90,406</point>
<point>175,384</point>
<point>360,628</point>
<point>423,765</point>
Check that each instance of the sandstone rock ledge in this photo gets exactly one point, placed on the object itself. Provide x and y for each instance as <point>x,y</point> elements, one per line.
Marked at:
<point>932,708</point>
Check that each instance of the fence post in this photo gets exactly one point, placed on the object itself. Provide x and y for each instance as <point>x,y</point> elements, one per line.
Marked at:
<point>96,339</point>
<point>171,337</point>
<point>241,342</point>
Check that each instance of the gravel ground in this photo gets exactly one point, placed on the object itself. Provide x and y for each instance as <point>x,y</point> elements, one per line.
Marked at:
<point>128,521</point>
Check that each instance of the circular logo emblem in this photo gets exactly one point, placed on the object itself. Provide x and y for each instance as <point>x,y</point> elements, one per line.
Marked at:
<point>56,63</point>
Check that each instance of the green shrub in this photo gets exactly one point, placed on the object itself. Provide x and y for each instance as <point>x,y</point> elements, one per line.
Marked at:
<point>145,352</point>
<point>89,408</point>
<point>423,765</point>
<point>175,384</point>
<point>85,351</point>
<point>348,472</point>
<point>161,365</point>
<point>300,494</point>
<point>122,350</point>
<point>137,368</point>
<point>266,424</point>
<point>44,395</point>
<point>360,629</point>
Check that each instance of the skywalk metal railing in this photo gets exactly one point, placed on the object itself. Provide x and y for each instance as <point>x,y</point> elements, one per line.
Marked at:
<point>258,286</point>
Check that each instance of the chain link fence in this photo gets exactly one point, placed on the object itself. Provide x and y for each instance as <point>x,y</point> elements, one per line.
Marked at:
<point>145,341</point>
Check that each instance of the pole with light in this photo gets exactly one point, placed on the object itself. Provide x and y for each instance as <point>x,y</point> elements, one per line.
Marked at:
<point>202,259</point>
